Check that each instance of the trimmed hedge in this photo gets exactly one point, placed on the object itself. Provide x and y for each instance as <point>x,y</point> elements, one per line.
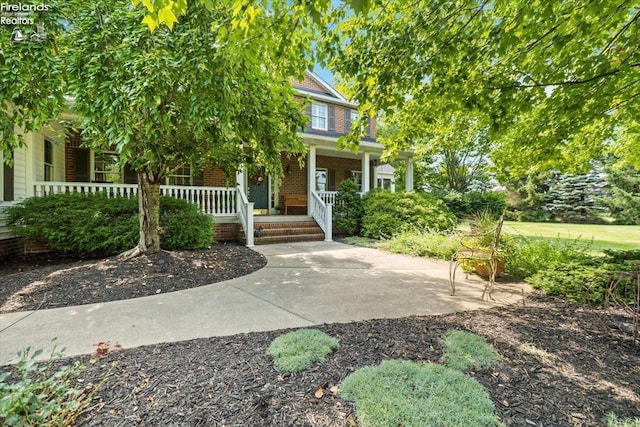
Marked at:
<point>95,225</point>
<point>387,214</point>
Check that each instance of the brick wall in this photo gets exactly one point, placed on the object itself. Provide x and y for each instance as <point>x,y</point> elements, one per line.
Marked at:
<point>11,248</point>
<point>309,83</point>
<point>296,182</point>
<point>226,232</point>
<point>213,176</point>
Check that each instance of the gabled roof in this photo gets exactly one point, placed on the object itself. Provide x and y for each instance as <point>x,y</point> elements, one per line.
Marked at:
<point>330,89</point>
<point>328,94</point>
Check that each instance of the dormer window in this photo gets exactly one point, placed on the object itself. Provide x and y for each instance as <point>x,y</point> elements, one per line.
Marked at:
<point>319,116</point>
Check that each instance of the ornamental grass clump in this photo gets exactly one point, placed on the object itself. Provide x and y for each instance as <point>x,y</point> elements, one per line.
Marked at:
<point>410,394</point>
<point>464,350</point>
<point>297,350</point>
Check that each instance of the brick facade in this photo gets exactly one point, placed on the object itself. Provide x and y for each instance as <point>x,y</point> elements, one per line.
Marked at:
<point>11,248</point>
<point>311,84</point>
<point>213,176</point>
<point>227,232</point>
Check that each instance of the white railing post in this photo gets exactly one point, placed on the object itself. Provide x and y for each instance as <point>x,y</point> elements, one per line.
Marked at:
<point>328,235</point>
<point>245,212</point>
<point>322,214</point>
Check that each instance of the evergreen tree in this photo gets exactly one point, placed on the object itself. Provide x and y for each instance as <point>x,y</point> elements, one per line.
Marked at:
<point>573,198</point>
<point>623,202</point>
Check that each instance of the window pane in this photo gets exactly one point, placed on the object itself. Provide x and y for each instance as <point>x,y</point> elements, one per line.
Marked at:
<point>48,160</point>
<point>321,179</point>
<point>319,116</point>
<point>106,168</point>
<point>181,176</point>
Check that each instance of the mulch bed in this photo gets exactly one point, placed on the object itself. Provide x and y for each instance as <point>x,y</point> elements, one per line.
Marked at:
<point>562,364</point>
<point>55,280</point>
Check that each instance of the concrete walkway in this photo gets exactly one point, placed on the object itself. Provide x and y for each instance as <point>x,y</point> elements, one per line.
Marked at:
<point>303,284</point>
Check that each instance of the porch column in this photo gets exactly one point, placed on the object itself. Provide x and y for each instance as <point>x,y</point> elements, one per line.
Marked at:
<point>408,177</point>
<point>311,176</point>
<point>375,175</point>
<point>240,178</point>
<point>366,173</point>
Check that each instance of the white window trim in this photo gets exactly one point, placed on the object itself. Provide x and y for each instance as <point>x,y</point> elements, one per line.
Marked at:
<point>325,117</point>
<point>169,177</point>
<point>93,166</point>
<point>326,183</point>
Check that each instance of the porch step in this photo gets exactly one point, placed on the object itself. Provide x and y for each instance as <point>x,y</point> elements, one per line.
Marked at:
<point>283,232</point>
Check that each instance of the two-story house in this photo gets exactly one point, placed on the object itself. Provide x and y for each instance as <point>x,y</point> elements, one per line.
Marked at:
<point>296,206</point>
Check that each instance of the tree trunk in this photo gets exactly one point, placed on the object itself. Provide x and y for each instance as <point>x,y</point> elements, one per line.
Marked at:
<point>149,211</point>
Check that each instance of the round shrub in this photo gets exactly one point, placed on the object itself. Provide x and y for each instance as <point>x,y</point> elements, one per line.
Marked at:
<point>184,225</point>
<point>387,214</point>
<point>94,225</point>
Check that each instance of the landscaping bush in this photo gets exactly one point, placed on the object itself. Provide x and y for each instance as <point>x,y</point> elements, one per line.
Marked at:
<point>40,397</point>
<point>349,207</point>
<point>473,202</point>
<point>526,256</point>
<point>297,350</point>
<point>404,393</point>
<point>423,244</point>
<point>185,226</point>
<point>589,280</point>
<point>486,201</point>
<point>96,225</point>
<point>387,214</point>
<point>464,350</point>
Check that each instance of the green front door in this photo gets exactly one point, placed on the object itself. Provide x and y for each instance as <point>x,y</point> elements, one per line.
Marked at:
<point>259,193</point>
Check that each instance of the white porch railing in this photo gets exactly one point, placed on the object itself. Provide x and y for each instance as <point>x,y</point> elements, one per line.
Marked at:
<point>322,213</point>
<point>216,201</point>
<point>330,196</point>
<point>245,212</point>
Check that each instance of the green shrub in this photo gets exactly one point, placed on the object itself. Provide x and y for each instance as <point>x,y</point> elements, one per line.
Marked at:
<point>349,207</point>
<point>486,201</point>
<point>97,225</point>
<point>41,397</point>
<point>409,394</point>
<point>423,244</point>
<point>588,281</point>
<point>464,350</point>
<point>297,350</point>
<point>472,202</point>
<point>526,256</point>
<point>387,214</point>
<point>185,226</point>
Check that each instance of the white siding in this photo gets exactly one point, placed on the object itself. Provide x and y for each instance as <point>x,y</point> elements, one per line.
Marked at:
<point>4,230</point>
<point>20,173</point>
<point>38,157</point>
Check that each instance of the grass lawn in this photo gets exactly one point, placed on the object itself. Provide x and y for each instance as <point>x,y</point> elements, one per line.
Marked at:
<point>604,236</point>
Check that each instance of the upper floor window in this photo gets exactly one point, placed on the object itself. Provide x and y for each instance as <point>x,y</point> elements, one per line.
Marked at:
<point>354,115</point>
<point>48,160</point>
<point>319,116</point>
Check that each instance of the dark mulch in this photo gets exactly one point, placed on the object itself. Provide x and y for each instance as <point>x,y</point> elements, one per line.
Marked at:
<point>54,280</point>
<point>562,365</point>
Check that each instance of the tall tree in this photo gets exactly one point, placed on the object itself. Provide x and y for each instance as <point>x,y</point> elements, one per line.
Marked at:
<point>555,81</point>
<point>212,89</point>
